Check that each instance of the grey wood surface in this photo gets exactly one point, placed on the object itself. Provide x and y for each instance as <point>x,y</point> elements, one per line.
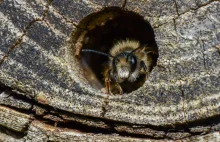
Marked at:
<point>40,89</point>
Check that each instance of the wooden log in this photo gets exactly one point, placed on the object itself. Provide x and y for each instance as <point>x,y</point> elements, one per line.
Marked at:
<point>40,87</point>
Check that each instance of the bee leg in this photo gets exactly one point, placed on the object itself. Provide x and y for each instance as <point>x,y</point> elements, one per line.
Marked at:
<point>117,85</point>
<point>108,87</point>
<point>145,68</point>
<point>120,89</point>
<point>107,82</point>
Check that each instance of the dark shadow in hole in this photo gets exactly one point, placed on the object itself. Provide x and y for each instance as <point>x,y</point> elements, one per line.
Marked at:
<point>126,25</point>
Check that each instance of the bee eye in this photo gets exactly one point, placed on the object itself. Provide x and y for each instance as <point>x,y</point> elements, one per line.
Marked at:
<point>133,62</point>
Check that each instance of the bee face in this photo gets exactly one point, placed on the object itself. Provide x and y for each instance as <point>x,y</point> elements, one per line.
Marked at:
<point>124,65</point>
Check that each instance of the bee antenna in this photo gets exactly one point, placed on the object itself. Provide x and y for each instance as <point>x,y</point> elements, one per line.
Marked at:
<point>142,46</point>
<point>97,52</point>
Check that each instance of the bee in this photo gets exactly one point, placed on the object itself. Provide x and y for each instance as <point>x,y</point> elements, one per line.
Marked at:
<point>128,59</point>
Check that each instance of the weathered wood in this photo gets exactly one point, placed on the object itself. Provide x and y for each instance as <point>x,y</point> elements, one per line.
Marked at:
<point>42,132</point>
<point>7,99</point>
<point>14,120</point>
<point>180,100</point>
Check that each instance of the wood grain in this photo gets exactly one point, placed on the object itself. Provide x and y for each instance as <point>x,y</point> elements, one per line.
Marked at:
<point>180,100</point>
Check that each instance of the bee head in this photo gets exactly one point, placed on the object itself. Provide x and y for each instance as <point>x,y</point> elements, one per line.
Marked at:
<point>124,64</point>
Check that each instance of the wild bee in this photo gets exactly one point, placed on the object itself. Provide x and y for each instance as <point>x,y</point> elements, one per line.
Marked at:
<point>128,59</point>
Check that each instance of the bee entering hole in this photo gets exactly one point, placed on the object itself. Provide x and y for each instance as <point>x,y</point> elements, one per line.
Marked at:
<point>117,51</point>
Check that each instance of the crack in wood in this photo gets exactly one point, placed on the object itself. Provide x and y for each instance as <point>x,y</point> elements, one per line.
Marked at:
<point>203,55</point>
<point>174,23</point>
<point>20,39</point>
<point>56,115</point>
<point>200,6</point>
<point>180,14</point>
<point>176,6</point>
<point>67,20</point>
<point>68,124</point>
<point>183,100</point>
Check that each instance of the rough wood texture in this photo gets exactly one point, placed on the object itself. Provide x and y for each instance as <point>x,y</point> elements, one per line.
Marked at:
<point>13,119</point>
<point>179,101</point>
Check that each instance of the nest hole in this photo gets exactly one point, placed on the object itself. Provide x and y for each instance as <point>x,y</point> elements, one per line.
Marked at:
<point>102,30</point>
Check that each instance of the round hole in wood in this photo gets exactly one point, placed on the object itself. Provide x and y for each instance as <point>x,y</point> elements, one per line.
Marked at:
<point>103,30</point>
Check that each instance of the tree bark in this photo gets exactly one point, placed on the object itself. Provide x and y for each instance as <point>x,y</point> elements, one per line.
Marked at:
<point>41,100</point>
